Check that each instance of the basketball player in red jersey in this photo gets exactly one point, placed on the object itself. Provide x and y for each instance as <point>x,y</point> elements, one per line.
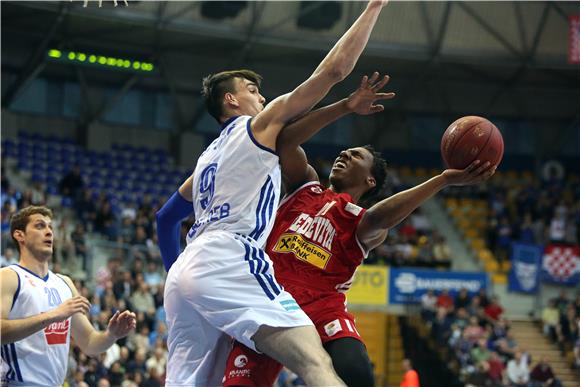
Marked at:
<point>321,236</point>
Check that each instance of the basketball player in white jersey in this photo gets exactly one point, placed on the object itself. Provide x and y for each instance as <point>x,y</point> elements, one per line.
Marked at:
<point>222,285</point>
<point>41,310</point>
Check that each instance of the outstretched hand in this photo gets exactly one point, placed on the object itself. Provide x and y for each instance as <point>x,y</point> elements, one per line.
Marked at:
<point>475,173</point>
<point>362,101</point>
<point>121,324</point>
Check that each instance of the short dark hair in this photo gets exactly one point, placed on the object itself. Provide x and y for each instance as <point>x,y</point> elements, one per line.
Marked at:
<point>379,172</point>
<point>215,86</point>
<point>19,220</point>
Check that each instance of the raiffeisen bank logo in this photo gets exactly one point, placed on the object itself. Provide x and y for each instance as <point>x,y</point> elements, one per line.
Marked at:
<point>406,282</point>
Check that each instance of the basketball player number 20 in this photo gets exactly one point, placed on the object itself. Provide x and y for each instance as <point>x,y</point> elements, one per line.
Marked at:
<point>53,296</point>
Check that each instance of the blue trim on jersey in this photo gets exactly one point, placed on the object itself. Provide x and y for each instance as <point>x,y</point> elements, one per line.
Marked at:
<point>17,291</point>
<point>34,274</point>
<point>249,129</point>
<point>265,203</point>
<point>229,121</point>
<point>15,359</point>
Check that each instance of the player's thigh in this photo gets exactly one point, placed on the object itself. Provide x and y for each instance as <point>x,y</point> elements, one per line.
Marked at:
<point>248,368</point>
<point>297,348</point>
<point>351,361</point>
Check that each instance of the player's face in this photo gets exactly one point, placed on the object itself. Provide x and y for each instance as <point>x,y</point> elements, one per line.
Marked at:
<point>248,97</point>
<point>352,168</point>
<point>38,238</point>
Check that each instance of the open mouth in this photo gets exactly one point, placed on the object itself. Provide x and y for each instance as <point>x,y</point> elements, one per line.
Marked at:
<point>48,243</point>
<point>339,165</point>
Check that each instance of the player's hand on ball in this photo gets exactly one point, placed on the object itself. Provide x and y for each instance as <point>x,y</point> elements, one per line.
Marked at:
<point>362,101</point>
<point>475,173</point>
<point>121,324</point>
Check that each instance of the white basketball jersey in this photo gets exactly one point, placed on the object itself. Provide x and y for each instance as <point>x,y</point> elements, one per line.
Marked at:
<point>40,359</point>
<point>236,184</point>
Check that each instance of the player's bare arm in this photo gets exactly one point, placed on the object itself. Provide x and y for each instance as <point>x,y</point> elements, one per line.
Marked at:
<point>389,212</point>
<point>15,330</point>
<point>336,66</point>
<point>295,168</point>
<point>92,342</point>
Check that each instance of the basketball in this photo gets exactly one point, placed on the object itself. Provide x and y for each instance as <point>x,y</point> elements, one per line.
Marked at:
<point>471,138</point>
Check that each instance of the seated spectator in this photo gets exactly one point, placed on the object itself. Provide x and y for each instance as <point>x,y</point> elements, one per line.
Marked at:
<point>428,305</point>
<point>473,332</point>
<point>507,346</point>
<point>158,361</point>
<point>8,257</point>
<point>142,300</point>
<point>494,310</point>
<point>550,319</point>
<point>152,276</point>
<point>72,183</point>
<point>420,222</point>
<point>137,365</point>
<point>445,300</point>
<point>518,373</point>
<point>543,376</point>
<point>480,355</point>
<point>567,330</point>
<point>461,318</point>
<point>495,371</point>
<point>441,250</point>
<point>462,300</point>
<point>562,301</point>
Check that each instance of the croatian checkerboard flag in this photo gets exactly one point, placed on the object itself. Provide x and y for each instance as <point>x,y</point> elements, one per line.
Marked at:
<point>574,39</point>
<point>561,264</point>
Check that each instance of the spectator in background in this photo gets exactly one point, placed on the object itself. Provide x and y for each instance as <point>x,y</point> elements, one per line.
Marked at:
<point>558,228</point>
<point>152,276</point>
<point>78,239</point>
<point>495,371</point>
<point>420,222</point>
<point>86,209</point>
<point>543,376</point>
<point>428,305</point>
<point>410,376</point>
<point>518,373</point>
<point>462,300</point>
<point>72,184</point>
<point>504,239</point>
<point>526,230</point>
<point>8,257</point>
<point>158,361</point>
<point>493,311</point>
<point>550,319</point>
<point>473,332</point>
<point>445,300</point>
<point>106,221</point>
<point>562,301</point>
<point>441,250</point>
<point>142,299</point>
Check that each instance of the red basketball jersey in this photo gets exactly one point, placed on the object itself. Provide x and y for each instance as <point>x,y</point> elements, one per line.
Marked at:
<point>313,244</point>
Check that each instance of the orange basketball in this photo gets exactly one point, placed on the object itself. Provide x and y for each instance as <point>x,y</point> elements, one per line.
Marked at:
<point>471,138</point>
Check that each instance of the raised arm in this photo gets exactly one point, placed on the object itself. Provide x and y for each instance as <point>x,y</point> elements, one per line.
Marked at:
<point>168,219</point>
<point>295,168</point>
<point>334,68</point>
<point>15,330</point>
<point>377,220</point>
